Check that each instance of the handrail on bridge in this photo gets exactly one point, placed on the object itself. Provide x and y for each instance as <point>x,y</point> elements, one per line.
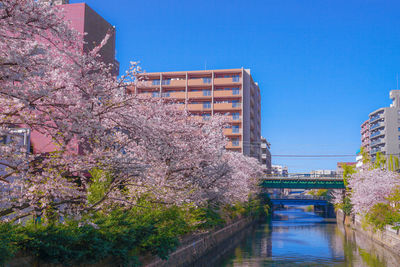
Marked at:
<point>300,177</point>
<point>300,197</point>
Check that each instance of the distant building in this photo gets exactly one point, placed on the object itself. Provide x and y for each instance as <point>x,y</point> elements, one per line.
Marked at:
<point>359,159</point>
<point>339,167</point>
<point>266,156</point>
<point>323,173</point>
<point>19,137</point>
<point>365,136</point>
<point>279,170</point>
<point>385,128</point>
<point>230,92</point>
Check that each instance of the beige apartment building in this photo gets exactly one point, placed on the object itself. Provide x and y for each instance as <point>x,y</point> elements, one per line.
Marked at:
<point>230,92</point>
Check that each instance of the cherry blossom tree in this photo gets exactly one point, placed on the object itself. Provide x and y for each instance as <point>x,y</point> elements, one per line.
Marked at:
<point>128,146</point>
<point>371,186</point>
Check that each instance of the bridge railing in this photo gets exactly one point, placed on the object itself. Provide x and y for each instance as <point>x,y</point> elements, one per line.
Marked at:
<point>300,177</point>
<point>305,197</point>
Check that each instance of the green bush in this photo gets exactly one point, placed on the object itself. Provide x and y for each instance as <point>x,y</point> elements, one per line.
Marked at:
<point>347,207</point>
<point>208,217</point>
<point>9,241</point>
<point>65,243</point>
<point>121,235</point>
<point>382,214</point>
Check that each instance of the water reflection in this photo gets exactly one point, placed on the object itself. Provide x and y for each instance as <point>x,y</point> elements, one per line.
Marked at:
<point>295,237</point>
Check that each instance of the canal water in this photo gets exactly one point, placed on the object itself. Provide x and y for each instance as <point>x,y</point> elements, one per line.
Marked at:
<point>295,237</point>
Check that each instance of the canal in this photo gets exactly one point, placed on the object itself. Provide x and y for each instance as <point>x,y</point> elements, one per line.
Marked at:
<point>295,237</point>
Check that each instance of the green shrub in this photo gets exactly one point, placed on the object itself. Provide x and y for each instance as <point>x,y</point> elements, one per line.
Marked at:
<point>347,207</point>
<point>382,214</point>
<point>208,217</point>
<point>9,241</point>
<point>65,243</point>
<point>120,234</point>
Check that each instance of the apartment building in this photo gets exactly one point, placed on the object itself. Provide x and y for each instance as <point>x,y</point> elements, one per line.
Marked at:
<point>279,170</point>
<point>384,128</point>
<point>266,156</point>
<point>84,20</point>
<point>230,92</point>
<point>323,173</point>
<point>365,136</point>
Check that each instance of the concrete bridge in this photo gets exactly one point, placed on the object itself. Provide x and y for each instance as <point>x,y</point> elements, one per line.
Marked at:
<point>303,181</point>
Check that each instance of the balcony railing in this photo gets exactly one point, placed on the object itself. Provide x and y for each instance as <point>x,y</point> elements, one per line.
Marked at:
<point>376,142</point>
<point>374,118</point>
<point>376,150</point>
<point>377,125</point>
<point>233,131</point>
<point>376,134</point>
<point>234,144</point>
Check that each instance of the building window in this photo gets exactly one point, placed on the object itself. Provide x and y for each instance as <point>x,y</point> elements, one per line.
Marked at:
<point>166,82</point>
<point>206,104</point>
<point>235,104</point>
<point>155,82</point>
<point>235,116</point>
<point>235,91</point>
<point>235,129</point>
<point>206,80</point>
<point>235,141</point>
<point>167,94</point>
<point>155,94</point>
<point>206,117</point>
<point>235,78</point>
<point>206,93</point>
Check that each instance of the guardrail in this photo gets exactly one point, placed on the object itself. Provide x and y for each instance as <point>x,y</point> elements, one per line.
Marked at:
<point>305,197</point>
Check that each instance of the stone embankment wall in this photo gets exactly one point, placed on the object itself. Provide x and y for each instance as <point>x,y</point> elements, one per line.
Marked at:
<point>207,248</point>
<point>388,238</point>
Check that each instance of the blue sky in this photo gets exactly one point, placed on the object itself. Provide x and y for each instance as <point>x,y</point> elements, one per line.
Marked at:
<point>322,65</point>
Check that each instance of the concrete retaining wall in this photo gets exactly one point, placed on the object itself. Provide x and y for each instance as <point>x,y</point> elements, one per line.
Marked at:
<point>218,242</point>
<point>388,238</point>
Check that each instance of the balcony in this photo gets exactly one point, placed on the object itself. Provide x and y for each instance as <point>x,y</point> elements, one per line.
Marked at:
<point>377,134</point>
<point>149,84</point>
<point>377,125</point>
<point>377,142</point>
<point>227,81</point>
<point>234,145</point>
<point>376,150</point>
<point>227,106</point>
<point>177,95</point>
<point>227,93</point>
<point>235,118</point>
<point>232,131</point>
<point>200,94</point>
<point>376,117</point>
<point>173,83</point>
<point>199,81</point>
<point>199,107</point>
